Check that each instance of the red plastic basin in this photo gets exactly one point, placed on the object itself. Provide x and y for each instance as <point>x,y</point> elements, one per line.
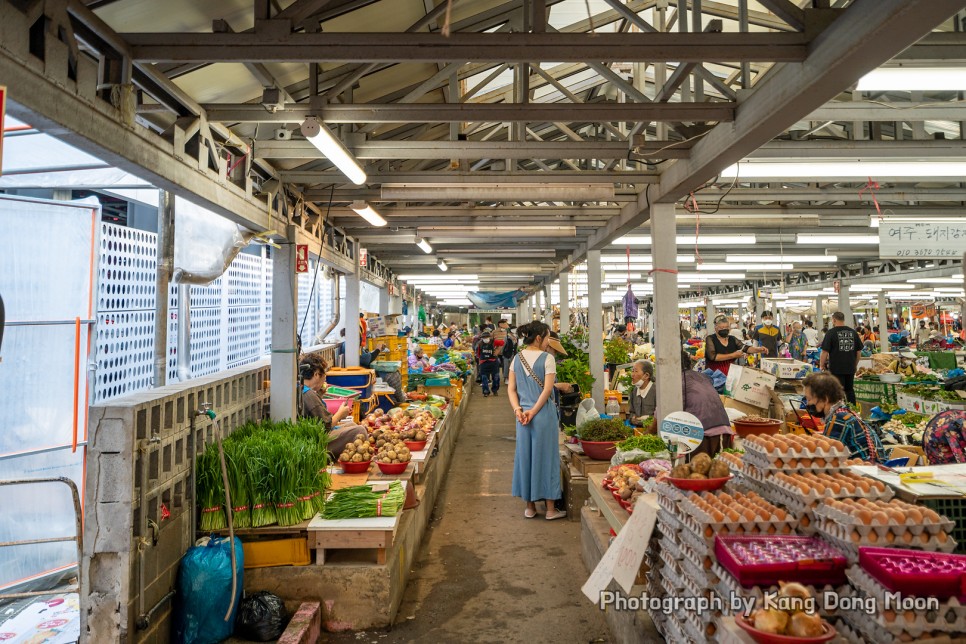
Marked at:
<point>599,450</point>
<point>392,468</point>
<point>355,468</point>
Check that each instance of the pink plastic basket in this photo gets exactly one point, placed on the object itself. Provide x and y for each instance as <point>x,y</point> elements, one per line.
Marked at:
<point>766,560</point>
<point>913,572</point>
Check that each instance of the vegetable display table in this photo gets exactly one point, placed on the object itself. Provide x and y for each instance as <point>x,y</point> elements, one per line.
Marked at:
<point>616,515</point>
<point>374,534</point>
<point>583,463</point>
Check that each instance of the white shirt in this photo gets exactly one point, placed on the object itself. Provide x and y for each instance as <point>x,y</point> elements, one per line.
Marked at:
<point>811,335</point>
<point>549,366</point>
<point>643,391</point>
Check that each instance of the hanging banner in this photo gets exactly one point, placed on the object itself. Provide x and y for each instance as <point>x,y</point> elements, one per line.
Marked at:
<point>923,310</point>
<point>301,258</point>
<point>3,114</point>
<point>493,300</point>
<point>363,257</point>
<point>402,289</point>
<point>928,239</point>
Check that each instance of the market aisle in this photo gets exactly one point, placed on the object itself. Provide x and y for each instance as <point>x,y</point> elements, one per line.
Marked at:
<point>484,572</point>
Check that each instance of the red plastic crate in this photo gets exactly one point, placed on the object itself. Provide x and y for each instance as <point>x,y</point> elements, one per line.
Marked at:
<point>808,560</point>
<point>913,572</point>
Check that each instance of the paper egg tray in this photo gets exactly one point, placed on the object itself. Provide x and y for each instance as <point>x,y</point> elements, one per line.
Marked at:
<point>667,504</point>
<point>668,522</point>
<point>668,559</point>
<point>699,524</point>
<point>769,463</point>
<point>675,632</point>
<point>841,537</point>
<point>753,447</point>
<point>695,541</point>
<point>872,630</point>
<point>697,581</point>
<point>671,547</point>
<point>813,497</point>
<point>670,492</point>
<point>727,586</point>
<point>949,618</point>
<point>849,519</point>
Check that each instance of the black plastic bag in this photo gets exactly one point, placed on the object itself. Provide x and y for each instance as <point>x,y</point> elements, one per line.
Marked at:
<point>261,617</point>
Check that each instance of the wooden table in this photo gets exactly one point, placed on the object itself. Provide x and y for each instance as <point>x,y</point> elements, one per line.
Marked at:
<point>375,533</point>
<point>609,507</point>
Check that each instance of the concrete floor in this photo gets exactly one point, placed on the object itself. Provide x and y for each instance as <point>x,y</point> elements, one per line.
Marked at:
<point>486,574</point>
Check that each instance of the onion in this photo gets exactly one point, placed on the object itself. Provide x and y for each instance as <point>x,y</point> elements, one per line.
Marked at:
<point>806,625</point>
<point>770,621</point>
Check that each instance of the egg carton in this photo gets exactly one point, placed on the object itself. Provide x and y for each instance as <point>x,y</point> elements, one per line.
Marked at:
<point>670,492</point>
<point>675,631</point>
<point>756,448</point>
<point>916,529</point>
<point>901,630</point>
<point>654,589</point>
<point>672,579</point>
<point>698,582</point>
<point>769,465</point>
<point>671,548</point>
<point>668,504</point>
<point>667,521</point>
<point>697,542</point>
<point>850,539</point>
<point>708,530</point>
<point>855,627</point>
<point>668,559</point>
<point>813,497</point>
<point>727,586</point>
<point>701,626</point>
<point>950,617</point>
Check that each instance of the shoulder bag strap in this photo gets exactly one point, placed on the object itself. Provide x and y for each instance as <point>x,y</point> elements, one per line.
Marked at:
<point>526,365</point>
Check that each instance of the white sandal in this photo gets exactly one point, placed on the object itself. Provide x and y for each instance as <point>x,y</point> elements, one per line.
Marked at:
<point>559,515</point>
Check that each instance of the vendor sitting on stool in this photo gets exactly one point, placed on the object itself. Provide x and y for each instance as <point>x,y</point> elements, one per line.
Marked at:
<point>312,370</point>
<point>824,395</point>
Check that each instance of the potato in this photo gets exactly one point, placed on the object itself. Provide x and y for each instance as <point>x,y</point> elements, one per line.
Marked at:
<point>719,469</point>
<point>697,476</point>
<point>681,471</point>
<point>701,463</point>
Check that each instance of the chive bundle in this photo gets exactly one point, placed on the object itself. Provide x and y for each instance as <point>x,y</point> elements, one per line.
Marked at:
<point>360,501</point>
<point>276,474</point>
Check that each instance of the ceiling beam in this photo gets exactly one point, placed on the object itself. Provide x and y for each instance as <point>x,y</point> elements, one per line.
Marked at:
<point>833,194</point>
<point>866,34</point>
<point>879,111</point>
<point>482,176</point>
<point>496,47</point>
<point>381,150</point>
<point>462,112</point>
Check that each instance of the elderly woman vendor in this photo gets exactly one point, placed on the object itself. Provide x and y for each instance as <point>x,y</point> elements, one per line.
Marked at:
<point>642,399</point>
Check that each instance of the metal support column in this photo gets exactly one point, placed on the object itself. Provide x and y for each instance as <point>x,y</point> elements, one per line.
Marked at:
<point>163,285</point>
<point>709,311</point>
<point>819,312</point>
<point>565,302</point>
<point>384,301</point>
<point>667,349</point>
<point>353,285</point>
<point>284,319</point>
<point>845,306</point>
<point>883,320</point>
<point>595,322</point>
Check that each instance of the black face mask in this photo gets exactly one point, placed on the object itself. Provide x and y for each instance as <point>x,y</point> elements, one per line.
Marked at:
<point>724,333</point>
<point>811,410</point>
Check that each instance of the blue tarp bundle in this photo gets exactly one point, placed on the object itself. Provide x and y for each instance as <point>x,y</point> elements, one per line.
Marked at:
<point>493,300</point>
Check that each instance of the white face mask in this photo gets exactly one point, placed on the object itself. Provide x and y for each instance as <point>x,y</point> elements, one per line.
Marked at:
<point>767,322</point>
<point>486,340</point>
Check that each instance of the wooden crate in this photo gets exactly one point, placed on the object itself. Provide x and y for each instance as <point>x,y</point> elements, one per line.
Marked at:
<point>585,465</point>
<point>575,491</point>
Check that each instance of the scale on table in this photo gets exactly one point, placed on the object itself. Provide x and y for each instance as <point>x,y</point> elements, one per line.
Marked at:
<point>682,432</point>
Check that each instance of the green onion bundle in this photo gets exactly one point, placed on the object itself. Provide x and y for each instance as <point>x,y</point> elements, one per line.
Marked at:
<point>276,474</point>
<point>360,501</point>
<point>211,490</point>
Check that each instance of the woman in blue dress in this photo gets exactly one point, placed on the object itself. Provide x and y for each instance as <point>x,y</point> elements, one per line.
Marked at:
<point>536,464</point>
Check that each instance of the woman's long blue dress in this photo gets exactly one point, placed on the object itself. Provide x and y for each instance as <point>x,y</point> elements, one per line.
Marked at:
<point>536,464</point>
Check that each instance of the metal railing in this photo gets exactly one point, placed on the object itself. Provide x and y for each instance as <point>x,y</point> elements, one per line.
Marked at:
<point>78,538</point>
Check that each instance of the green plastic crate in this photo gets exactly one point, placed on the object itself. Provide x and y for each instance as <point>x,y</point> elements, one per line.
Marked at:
<point>872,391</point>
<point>954,510</point>
<point>340,392</point>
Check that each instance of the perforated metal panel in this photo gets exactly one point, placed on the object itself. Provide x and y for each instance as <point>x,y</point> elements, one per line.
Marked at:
<point>125,311</point>
<point>230,318</point>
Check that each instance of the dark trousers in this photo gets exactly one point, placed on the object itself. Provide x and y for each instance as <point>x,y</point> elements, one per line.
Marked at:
<point>711,445</point>
<point>490,376</point>
<point>848,384</point>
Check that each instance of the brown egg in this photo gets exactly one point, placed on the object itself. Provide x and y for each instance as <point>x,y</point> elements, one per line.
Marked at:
<point>717,517</point>
<point>897,516</point>
<point>872,537</point>
<point>880,518</point>
<point>906,537</point>
<point>864,517</point>
<point>733,516</point>
<point>941,537</point>
<point>890,538</point>
<point>855,536</point>
<point>924,538</point>
<point>749,515</point>
<point>930,516</point>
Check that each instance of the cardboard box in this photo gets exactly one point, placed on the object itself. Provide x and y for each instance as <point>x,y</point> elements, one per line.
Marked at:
<point>931,406</point>
<point>909,402</point>
<point>745,408</point>
<point>751,386</point>
<point>915,454</point>
<point>786,368</point>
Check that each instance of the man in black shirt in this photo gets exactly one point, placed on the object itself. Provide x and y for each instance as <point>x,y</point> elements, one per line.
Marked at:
<point>841,350</point>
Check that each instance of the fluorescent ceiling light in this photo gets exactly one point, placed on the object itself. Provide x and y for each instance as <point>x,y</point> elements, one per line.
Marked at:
<point>368,213</point>
<point>434,277</point>
<point>611,260</point>
<point>913,79</point>
<point>859,171</point>
<point>948,290</point>
<point>318,135</point>
<point>874,220</point>
<point>442,266</point>
<point>684,240</point>
<point>861,288</point>
<point>424,245</point>
<point>937,280</point>
<point>751,268</point>
<point>838,239</point>
<point>768,259</point>
<point>723,276</point>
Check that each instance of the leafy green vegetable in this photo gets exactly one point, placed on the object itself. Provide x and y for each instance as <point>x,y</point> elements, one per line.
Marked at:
<point>646,443</point>
<point>577,372</point>
<point>617,351</point>
<point>732,450</point>
<point>569,430</point>
<point>604,429</point>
